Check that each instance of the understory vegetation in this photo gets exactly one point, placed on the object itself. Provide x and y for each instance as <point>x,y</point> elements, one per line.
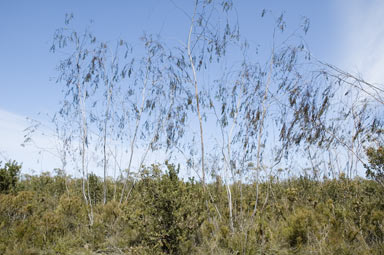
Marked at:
<point>164,214</point>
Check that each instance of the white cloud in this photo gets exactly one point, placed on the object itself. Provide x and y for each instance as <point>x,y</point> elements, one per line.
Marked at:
<point>41,155</point>
<point>362,33</point>
<point>12,128</point>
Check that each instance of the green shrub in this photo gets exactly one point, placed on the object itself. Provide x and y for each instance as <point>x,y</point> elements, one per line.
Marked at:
<point>163,214</point>
<point>9,176</point>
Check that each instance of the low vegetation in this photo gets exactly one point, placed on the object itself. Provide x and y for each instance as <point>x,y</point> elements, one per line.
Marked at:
<point>163,214</point>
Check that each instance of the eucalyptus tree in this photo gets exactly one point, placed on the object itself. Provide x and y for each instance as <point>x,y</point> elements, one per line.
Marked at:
<point>244,101</point>
<point>338,112</point>
<point>113,67</point>
<point>153,111</point>
<point>361,108</point>
<point>78,72</point>
<point>247,101</point>
<point>206,43</point>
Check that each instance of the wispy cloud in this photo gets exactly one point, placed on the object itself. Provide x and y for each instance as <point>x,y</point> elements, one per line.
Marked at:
<point>42,154</point>
<point>12,133</point>
<point>362,33</point>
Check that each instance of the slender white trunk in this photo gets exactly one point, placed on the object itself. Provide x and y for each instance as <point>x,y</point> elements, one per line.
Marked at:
<point>84,137</point>
<point>196,95</point>
<point>261,127</point>
<point>138,119</point>
<point>105,144</point>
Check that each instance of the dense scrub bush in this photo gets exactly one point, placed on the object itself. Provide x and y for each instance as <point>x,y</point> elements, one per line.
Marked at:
<point>9,176</point>
<point>375,168</point>
<point>165,215</point>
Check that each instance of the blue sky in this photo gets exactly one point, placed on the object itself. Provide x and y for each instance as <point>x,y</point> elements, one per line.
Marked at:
<point>348,33</point>
<point>27,28</point>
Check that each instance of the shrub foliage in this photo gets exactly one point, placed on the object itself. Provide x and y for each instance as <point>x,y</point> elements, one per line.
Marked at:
<point>166,215</point>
